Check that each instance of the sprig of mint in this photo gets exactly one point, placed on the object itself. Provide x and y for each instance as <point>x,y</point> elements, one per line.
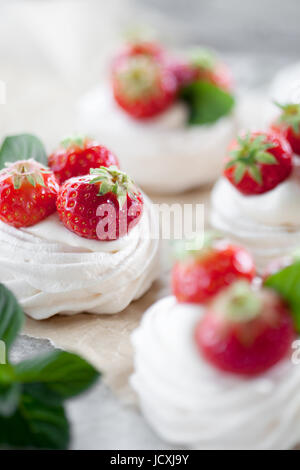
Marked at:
<point>32,392</point>
<point>287,283</point>
<point>206,102</point>
<point>22,147</point>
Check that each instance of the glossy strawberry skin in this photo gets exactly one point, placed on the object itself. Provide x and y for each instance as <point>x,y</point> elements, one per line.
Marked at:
<point>272,175</point>
<point>27,205</point>
<point>249,348</point>
<point>197,280</point>
<point>77,205</point>
<point>77,160</point>
<point>289,134</point>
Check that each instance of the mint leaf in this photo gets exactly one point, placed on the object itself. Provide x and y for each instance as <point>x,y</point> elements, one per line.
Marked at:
<point>22,147</point>
<point>32,392</point>
<point>35,424</point>
<point>287,283</point>
<point>9,398</point>
<point>206,102</point>
<point>63,373</point>
<point>11,317</point>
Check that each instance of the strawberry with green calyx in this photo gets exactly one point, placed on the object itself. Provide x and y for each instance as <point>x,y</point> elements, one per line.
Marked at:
<point>288,124</point>
<point>200,273</point>
<point>258,162</point>
<point>103,205</point>
<point>143,85</point>
<point>77,155</point>
<point>28,193</point>
<point>245,331</point>
<point>115,181</point>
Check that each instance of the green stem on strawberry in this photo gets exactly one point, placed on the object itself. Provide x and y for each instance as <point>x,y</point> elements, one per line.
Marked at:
<point>248,155</point>
<point>202,58</point>
<point>26,169</point>
<point>74,141</point>
<point>114,181</point>
<point>242,304</point>
<point>290,116</point>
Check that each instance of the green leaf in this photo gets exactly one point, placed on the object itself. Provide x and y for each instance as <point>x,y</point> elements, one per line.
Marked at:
<point>73,140</point>
<point>9,398</point>
<point>195,247</point>
<point>239,172</point>
<point>230,164</point>
<point>39,179</point>
<point>255,173</point>
<point>206,102</point>
<point>35,424</point>
<point>31,180</point>
<point>11,317</point>
<point>257,141</point>
<point>17,180</point>
<point>122,198</point>
<point>64,373</point>
<point>31,393</point>
<point>202,58</point>
<point>287,283</point>
<point>290,116</point>
<point>106,187</point>
<point>265,157</point>
<point>22,147</point>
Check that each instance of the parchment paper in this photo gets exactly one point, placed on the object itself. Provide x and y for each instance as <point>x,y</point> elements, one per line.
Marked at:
<point>105,339</point>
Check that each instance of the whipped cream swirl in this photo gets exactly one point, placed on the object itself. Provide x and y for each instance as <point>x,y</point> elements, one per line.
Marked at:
<point>162,154</point>
<point>51,270</point>
<point>188,402</point>
<point>267,224</point>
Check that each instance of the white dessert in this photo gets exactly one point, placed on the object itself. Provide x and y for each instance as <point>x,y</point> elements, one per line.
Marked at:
<point>163,154</point>
<point>267,224</point>
<point>190,403</point>
<point>51,270</point>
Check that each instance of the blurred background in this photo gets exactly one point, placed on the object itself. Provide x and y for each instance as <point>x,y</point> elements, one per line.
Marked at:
<point>52,51</point>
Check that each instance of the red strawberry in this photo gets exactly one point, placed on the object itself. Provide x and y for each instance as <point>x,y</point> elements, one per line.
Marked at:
<point>258,162</point>
<point>202,274</point>
<point>288,124</point>
<point>142,85</point>
<point>244,331</point>
<point>77,155</point>
<point>104,205</point>
<point>28,193</point>
<point>203,65</point>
